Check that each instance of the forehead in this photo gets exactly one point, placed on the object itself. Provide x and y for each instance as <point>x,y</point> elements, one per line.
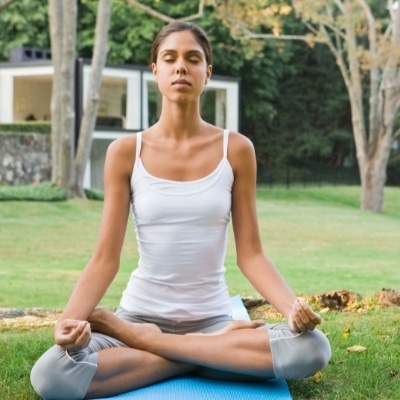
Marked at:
<point>180,41</point>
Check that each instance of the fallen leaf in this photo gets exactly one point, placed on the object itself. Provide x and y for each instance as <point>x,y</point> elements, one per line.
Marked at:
<point>346,333</point>
<point>356,348</point>
<point>318,377</point>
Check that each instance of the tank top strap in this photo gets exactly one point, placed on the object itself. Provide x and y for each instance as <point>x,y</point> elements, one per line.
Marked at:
<point>226,139</point>
<point>138,146</point>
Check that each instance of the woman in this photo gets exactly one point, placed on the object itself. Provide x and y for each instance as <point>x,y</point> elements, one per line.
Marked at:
<point>183,179</point>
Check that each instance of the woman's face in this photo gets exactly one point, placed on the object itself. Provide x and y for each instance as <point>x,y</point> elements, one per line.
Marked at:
<point>181,70</point>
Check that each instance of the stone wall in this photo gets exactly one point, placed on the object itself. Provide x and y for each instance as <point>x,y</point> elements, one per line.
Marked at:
<point>24,158</point>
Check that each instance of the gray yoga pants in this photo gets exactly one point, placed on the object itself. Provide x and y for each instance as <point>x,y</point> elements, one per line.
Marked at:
<point>59,374</point>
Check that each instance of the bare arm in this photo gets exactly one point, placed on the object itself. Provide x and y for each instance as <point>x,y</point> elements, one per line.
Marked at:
<point>251,259</point>
<point>104,264</point>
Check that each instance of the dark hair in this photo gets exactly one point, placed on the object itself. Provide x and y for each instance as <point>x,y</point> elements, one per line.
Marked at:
<point>178,26</point>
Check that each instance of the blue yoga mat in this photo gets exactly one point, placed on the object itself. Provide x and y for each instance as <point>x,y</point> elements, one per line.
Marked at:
<point>196,388</point>
<point>192,388</point>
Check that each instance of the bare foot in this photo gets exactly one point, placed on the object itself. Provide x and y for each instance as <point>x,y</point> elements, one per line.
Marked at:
<point>104,321</point>
<point>234,326</point>
<point>101,320</point>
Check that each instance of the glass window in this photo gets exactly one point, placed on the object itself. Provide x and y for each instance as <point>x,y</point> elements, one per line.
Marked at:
<point>112,105</point>
<point>32,98</point>
<point>213,106</point>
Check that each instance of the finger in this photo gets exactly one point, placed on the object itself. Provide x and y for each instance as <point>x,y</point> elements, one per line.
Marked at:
<point>306,318</point>
<point>298,319</point>
<point>301,317</point>
<point>84,338</point>
<point>62,331</point>
<point>70,334</point>
<point>313,317</point>
<point>294,326</point>
<point>81,342</point>
<point>298,325</point>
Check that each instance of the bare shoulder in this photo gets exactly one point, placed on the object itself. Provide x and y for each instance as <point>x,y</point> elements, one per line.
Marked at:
<point>123,145</point>
<point>121,153</point>
<point>239,141</point>
<point>240,149</point>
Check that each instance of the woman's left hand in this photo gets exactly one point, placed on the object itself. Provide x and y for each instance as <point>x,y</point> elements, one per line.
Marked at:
<point>302,317</point>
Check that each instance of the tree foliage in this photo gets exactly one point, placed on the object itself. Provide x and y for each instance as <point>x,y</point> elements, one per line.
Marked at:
<point>24,23</point>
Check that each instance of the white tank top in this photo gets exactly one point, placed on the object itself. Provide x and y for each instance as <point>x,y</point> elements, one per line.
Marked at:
<point>181,231</point>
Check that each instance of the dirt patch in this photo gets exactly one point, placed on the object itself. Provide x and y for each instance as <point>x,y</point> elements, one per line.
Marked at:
<point>338,300</point>
<point>341,300</point>
<point>27,318</point>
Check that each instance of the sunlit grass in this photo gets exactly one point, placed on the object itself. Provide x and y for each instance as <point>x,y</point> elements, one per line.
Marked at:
<point>318,238</point>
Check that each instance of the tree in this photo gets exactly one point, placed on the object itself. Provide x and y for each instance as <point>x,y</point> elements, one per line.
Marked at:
<point>367,51</point>
<point>366,46</point>
<point>62,19</point>
<point>164,16</point>
<point>92,101</point>
<point>5,3</point>
<point>23,23</point>
<point>68,168</point>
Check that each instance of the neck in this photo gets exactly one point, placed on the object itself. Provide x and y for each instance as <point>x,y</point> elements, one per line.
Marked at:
<point>180,120</point>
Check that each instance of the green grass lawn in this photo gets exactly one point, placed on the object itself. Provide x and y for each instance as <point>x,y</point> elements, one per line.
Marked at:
<point>372,374</point>
<point>318,237</point>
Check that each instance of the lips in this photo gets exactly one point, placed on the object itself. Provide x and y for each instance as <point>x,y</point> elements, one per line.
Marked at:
<point>181,82</point>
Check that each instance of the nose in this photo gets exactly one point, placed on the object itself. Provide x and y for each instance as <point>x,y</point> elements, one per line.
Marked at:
<point>181,69</point>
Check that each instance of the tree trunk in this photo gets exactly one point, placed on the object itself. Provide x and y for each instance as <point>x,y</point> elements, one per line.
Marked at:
<point>62,20</point>
<point>93,95</point>
<point>373,176</point>
<point>372,156</point>
<point>67,93</point>
<point>55,10</point>
<point>373,148</point>
<point>372,188</point>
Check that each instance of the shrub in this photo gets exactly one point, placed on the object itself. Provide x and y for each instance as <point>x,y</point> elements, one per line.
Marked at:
<point>45,191</point>
<point>26,127</point>
<point>94,194</point>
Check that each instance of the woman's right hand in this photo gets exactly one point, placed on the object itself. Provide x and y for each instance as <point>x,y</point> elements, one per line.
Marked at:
<point>72,334</point>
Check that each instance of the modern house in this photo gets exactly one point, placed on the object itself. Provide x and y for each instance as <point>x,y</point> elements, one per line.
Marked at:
<point>129,100</point>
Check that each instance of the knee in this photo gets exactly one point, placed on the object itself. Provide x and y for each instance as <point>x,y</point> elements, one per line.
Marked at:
<point>46,374</point>
<point>52,376</point>
<point>315,354</point>
<point>300,356</point>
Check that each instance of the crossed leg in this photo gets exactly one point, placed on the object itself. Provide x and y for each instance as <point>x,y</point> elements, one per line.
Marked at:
<point>153,356</point>
<point>122,369</point>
